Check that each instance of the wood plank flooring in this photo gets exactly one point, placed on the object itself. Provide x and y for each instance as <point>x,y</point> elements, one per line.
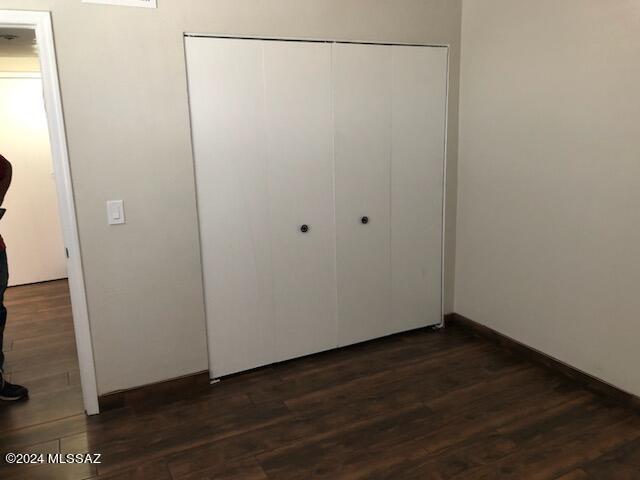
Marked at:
<point>421,405</point>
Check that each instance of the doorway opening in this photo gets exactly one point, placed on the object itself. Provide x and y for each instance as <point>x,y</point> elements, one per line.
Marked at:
<point>47,341</point>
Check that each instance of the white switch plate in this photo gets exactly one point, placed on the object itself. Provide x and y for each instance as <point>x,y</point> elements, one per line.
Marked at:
<point>115,212</point>
<point>126,3</point>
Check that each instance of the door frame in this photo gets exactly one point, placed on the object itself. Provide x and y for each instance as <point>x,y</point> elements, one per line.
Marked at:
<point>40,21</point>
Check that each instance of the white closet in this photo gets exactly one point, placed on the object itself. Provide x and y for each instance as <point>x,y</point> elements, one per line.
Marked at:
<point>319,172</point>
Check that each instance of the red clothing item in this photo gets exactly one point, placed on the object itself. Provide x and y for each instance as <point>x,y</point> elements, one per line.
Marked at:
<point>2,173</point>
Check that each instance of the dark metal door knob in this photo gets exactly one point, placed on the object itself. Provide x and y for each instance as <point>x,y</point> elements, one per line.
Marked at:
<point>304,228</point>
<point>364,220</point>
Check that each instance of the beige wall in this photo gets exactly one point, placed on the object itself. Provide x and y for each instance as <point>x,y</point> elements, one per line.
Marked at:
<point>125,101</point>
<point>548,247</point>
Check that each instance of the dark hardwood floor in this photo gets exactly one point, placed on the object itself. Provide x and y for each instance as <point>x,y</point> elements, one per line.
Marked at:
<point>421,405</point>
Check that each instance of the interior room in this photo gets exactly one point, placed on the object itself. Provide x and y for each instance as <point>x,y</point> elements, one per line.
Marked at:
<point>25,138</point>
<point>320,239</point>
<point>38,343</point>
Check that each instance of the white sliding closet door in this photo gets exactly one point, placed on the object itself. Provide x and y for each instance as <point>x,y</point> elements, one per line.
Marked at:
<point>262,135</point>
<point>299,137</point>
<point>362,109</point>
<point>226,89</point>
<point>390,112</point>
<point>417,177</point>
<point>346,140</point>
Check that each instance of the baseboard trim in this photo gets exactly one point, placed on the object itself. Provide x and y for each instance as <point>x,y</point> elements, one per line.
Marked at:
<point>148,396</point>
<point>590,382</point>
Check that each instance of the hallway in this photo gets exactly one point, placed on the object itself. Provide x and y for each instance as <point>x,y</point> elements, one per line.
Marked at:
<point>41,354</point>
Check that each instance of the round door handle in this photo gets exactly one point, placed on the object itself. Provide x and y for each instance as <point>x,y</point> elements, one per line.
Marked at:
<point>304,228</point>
<point>364,220</point>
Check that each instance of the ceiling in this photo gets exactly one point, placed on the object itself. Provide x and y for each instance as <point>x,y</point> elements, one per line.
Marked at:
<point>18,42</point>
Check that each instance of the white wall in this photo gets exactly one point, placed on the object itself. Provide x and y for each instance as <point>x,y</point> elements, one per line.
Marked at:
<point>125,103</point>
<point>548,248</point>
<point>31,226</point>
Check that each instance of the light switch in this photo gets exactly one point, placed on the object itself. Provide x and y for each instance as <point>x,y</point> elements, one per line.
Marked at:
<point>115,212</point>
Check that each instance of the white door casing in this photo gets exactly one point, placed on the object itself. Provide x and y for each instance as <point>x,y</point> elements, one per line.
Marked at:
<point>41,22</point>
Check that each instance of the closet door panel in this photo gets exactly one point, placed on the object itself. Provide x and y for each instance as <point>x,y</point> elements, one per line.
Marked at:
<point>362,112</point>
<point>226,97</point>
<point>419,117</point>
<point>300,173</point>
